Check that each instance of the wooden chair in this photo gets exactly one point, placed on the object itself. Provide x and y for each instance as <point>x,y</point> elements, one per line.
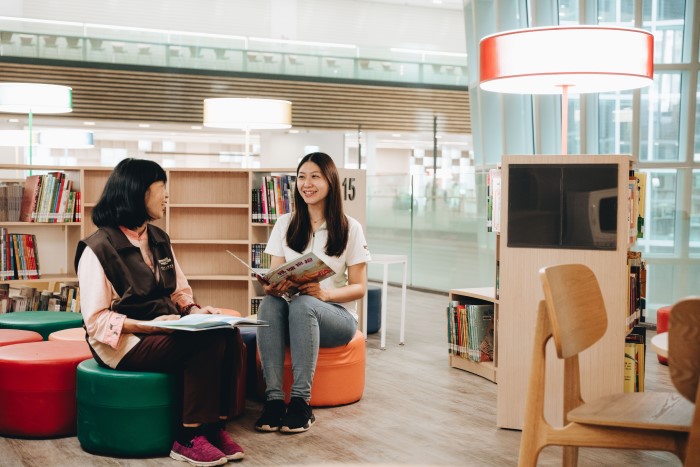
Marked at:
<point>573,313</point>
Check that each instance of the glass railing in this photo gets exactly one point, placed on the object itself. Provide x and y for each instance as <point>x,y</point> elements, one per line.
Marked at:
<point>85,42</point>
<point>442,231</point>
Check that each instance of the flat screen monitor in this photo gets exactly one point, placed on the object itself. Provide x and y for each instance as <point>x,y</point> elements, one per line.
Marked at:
<point>563,206</point>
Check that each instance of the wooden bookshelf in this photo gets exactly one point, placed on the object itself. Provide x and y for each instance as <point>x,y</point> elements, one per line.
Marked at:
<point>208,212</point>
<point>520,291</point>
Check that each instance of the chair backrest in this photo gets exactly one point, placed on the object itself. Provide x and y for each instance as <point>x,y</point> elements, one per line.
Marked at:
<point>575,307</point>
<point>684,346</point>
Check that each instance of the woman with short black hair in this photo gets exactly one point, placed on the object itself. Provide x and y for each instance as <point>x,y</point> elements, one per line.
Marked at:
<point>128,276</point>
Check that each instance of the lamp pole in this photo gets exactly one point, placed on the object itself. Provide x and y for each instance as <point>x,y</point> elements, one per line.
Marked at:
<point>564,118</point>
<point>31,141</point>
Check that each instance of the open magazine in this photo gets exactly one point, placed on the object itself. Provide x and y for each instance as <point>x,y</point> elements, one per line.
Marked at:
<point>202,322</point>
<point>302,270</point>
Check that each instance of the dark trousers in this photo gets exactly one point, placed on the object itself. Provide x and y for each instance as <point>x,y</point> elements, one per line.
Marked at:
<point>208,362</point>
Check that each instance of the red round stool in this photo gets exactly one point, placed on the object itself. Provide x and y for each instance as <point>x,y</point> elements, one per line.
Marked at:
<point>70,334</point>
<point>18,336</point>
<point>340,374</point>
<point>37,388</point>
<point>662,326</point>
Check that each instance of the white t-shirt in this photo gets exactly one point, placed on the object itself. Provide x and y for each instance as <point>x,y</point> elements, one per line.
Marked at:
<point>356,252</point>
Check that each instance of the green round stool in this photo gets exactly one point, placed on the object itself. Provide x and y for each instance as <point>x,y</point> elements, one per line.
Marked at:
<point>43,322</point>
<point>125,413</point>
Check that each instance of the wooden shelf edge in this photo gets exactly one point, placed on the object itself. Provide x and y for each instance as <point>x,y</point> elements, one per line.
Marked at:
<point>208,205</point>
<point>482,293</point>
<point>486,370</point>
<point>208,242</point>
<point>209,277</point>
<point>40,224</point>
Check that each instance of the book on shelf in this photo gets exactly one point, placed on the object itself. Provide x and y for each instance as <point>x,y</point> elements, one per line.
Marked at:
<point>307,268</point>
<point>630,367</point>
<point>494,195</point>
<point>273,198</point>
<point>19,258</point>
<point>635,342</point>
<point>49,199</point>
<point>481,332</point>
<point>11,195</point>
<point>204,322</point>
<point>19,297</point>
<point>30,198</point>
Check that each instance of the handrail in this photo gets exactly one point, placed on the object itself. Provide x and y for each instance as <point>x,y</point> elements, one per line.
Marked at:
<point>86,42</point>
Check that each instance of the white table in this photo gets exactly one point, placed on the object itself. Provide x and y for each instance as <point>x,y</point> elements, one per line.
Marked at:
<point>386,260</point>
<point>660,344</point>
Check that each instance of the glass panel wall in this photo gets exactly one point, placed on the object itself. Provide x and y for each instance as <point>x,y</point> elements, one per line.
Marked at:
<point>660,118</point>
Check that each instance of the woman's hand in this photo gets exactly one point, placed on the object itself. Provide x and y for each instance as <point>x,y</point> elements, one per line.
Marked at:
<point>280,289</point>
<point>314,289</point>
<point>207,310</point>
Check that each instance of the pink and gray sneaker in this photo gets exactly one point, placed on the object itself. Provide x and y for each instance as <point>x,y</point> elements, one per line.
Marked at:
<point>223,441</point>
<point>198,452</point>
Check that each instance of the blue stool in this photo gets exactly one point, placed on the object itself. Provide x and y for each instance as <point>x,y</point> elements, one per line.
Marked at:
<point>252,386</point>
<point>374,308</point>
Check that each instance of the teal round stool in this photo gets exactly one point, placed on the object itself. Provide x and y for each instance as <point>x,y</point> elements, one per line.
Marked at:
<point>43,322</point>
<point>125,413</point>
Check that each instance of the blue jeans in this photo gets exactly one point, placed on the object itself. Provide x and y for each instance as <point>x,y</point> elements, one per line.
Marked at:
<point>307,323</point>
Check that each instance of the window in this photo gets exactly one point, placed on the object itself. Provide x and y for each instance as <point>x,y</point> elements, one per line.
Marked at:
<point>660,118</point>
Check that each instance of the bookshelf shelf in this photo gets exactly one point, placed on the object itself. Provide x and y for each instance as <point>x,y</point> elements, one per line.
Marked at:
<point>40,224</point>
<point>484,369</point>
<point>476,296</point>
<point>210,205</point>
<point>210,242</point>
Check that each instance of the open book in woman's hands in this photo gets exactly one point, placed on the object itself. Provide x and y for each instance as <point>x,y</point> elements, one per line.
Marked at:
<point>302,270</point>
<point>202,322</point>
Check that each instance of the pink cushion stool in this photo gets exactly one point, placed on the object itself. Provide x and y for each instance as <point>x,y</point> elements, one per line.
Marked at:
<point>37,388</point>
<point>662,326</point>
<point>18,336</point>
<point>70,334</point>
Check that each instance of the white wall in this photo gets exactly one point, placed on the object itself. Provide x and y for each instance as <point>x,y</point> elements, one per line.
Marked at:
<point>363,23</point>
<point>283,150</point>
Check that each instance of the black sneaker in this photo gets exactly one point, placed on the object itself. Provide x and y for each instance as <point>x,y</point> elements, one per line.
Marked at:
<point>271,418</point>
<point>299,417</point>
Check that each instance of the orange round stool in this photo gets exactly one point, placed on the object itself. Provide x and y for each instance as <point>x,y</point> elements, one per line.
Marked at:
<point>70,334</point>
<point>340,374</point>
<point>37,388</point>
<point>18,336</point>
<point>662,315</point>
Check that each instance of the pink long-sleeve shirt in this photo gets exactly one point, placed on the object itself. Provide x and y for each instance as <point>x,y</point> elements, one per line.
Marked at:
<point>104,326</point>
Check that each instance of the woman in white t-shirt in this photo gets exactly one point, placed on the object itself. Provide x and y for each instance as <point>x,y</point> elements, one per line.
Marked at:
<point>322,314</point>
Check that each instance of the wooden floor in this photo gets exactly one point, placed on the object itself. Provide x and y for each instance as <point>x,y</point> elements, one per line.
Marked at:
<point>416,410</point>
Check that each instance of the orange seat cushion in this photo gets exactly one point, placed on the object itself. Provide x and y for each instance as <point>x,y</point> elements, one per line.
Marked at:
<point>18,336</point>
<point>340,374</point>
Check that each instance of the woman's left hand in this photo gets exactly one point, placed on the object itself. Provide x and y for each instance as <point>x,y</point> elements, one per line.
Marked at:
<point>207,310</point>
<point>314,289</point>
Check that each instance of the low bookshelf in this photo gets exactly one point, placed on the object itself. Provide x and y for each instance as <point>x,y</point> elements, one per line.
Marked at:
<point>477,296</point>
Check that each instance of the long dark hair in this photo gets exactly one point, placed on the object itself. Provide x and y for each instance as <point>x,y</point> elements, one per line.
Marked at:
<point>123,200</point>
<point>299,232</point>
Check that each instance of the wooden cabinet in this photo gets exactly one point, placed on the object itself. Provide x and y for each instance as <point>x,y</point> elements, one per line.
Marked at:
<point>521,290</point>
<point>208,212</point>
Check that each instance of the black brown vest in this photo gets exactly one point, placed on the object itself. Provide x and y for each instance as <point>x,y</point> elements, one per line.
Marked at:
<point>141,296</point>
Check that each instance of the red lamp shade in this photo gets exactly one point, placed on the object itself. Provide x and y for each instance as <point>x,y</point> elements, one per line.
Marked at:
<point>576,59</point>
